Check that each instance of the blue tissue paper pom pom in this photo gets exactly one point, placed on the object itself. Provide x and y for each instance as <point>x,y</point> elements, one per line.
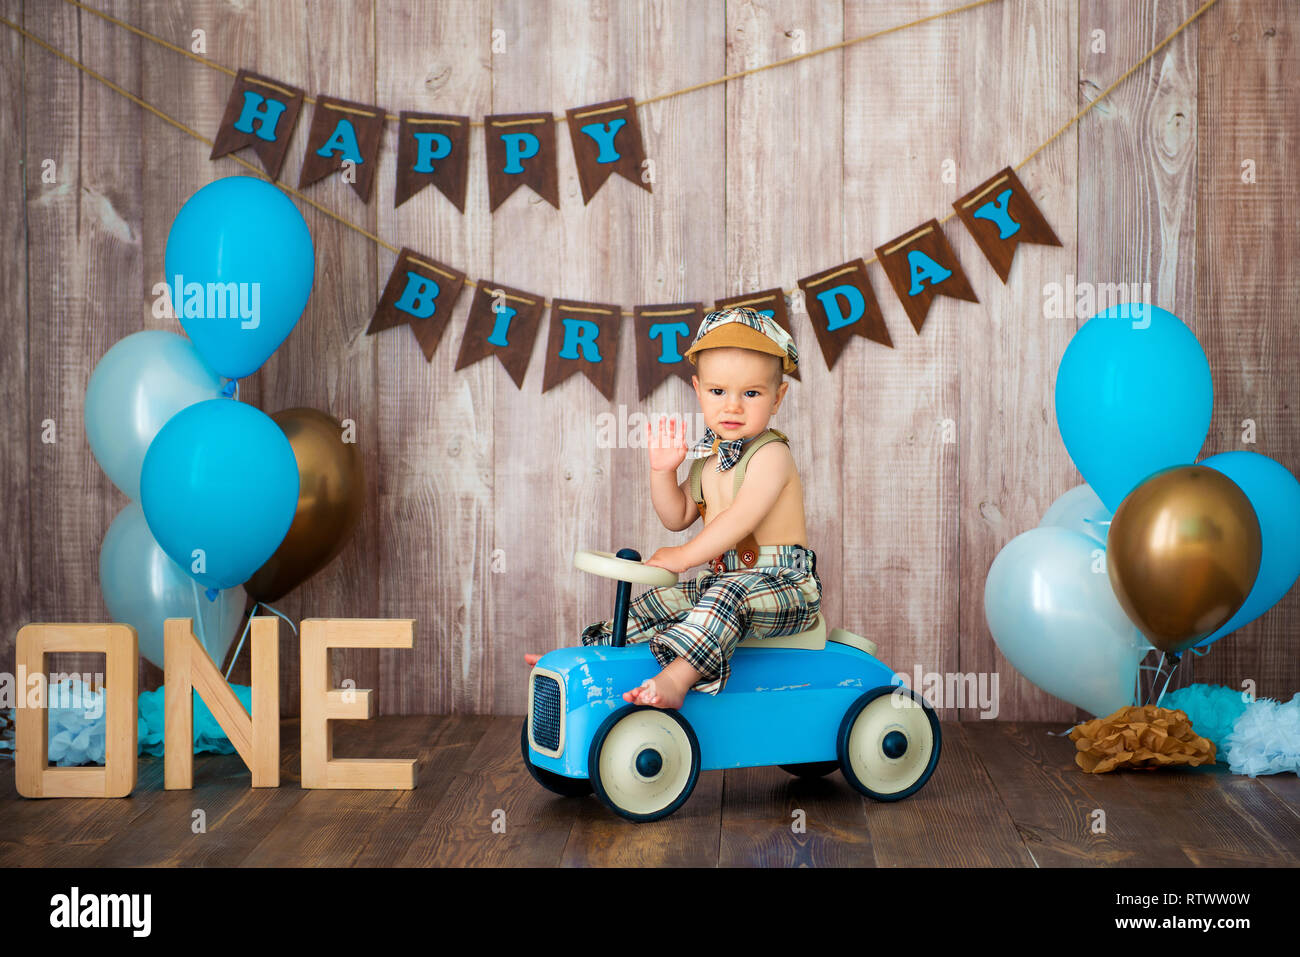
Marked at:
<point>208,736</point>
<point>1212,709</point>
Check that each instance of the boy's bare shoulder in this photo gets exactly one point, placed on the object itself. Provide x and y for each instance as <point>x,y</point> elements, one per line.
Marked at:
<point>774,455</point>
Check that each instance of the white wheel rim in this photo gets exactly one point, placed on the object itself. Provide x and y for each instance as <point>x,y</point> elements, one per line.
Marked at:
<point>621,569</point>
<point>625,786</point>
<point>876,770</point>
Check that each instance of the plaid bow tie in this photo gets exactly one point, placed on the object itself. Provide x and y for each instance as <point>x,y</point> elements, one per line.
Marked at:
<point>729,450</point>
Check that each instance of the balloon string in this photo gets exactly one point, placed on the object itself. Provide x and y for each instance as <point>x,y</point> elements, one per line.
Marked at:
<point>198,612</point>
<point>1159,670</point>
<point>1177,661</point>
<point>1061,734</point>
<point>282,615</point>
<point>1138,697</point>
<point>242,635</point>
<point>249,624</point>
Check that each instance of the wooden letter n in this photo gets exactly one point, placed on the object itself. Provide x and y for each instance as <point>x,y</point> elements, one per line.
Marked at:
<point>188,668</point>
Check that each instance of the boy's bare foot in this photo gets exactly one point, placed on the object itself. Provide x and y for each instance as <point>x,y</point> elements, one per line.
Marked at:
<point>666,689</point>
<point>658,692</point>
<point>532,659</point>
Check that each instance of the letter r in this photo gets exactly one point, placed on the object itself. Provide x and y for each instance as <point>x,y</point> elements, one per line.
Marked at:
<point>580,333</point>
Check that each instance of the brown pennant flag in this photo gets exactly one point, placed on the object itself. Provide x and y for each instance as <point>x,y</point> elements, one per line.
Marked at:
<point>432,148</point>
<point>260,113</point>
<point>1001,215</point>
<point>921,265</point>
<point>343,131</point>
<point>663,333</point>
<point>583,338</point>
<point>422,292</point>
<point>502,322</point>
<point>521,152</point>
<point>770,302</point>
<point>841,304</point>
<point>606,139</point>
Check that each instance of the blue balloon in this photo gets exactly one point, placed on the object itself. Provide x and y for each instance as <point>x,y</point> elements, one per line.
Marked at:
<point>219,490</point>
<point>1275,495</point>
<point>1133,396</point>
<point>240,265</point>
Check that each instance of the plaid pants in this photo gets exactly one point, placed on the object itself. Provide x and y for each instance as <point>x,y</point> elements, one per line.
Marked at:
<point>703,619</point>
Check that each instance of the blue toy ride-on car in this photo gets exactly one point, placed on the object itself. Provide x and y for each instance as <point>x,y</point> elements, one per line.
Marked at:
<point>810,703</point>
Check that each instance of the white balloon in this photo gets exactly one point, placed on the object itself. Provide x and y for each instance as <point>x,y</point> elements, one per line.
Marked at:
<point>1082,511</point>
<point>1050,606</point>
<point>143,587</point>
<point>140,383</point>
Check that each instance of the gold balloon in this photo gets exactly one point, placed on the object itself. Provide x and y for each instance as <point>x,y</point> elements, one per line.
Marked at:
<point>1182,554</point>
<point>331,493</point>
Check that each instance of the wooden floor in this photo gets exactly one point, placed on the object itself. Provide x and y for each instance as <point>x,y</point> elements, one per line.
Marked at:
<point>1004,794</point>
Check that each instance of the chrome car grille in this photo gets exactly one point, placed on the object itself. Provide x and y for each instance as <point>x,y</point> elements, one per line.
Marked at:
<point>546,712</point>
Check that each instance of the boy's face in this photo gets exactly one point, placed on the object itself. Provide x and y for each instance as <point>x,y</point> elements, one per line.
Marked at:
<point>738,390</point>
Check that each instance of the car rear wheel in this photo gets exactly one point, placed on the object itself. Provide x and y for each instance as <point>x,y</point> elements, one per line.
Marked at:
<point>888,743</point>
<point>644,762</point>
<point>813,769</point>
<point>558,783</point>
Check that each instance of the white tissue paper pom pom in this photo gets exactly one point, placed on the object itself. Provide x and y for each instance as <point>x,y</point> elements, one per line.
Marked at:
<point>1265,739</point>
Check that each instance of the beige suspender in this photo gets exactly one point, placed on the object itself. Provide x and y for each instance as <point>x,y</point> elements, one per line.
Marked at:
<point>697,496</point>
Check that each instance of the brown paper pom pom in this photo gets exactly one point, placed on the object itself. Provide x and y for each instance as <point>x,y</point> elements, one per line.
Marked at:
<point>1139,737</point>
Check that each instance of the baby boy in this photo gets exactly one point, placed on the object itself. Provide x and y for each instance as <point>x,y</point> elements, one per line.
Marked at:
<point>760,578</point>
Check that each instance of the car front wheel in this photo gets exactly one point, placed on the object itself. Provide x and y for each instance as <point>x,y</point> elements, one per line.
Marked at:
<point>644,762</point>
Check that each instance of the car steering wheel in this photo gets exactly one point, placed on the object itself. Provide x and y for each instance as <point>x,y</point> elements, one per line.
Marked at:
<point>607,565</point>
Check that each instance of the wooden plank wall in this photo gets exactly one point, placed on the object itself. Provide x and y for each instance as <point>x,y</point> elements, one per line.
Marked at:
<point>919,462</point>
<point>1012,464</point>
<point>16,606</point>
<point>1247,284</point>
<point>1137,223</point>
<point>84,283</point>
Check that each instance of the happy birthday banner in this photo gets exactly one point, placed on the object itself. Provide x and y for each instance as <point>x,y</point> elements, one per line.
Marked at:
<point>584,336</point>
<point>421,292</point>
